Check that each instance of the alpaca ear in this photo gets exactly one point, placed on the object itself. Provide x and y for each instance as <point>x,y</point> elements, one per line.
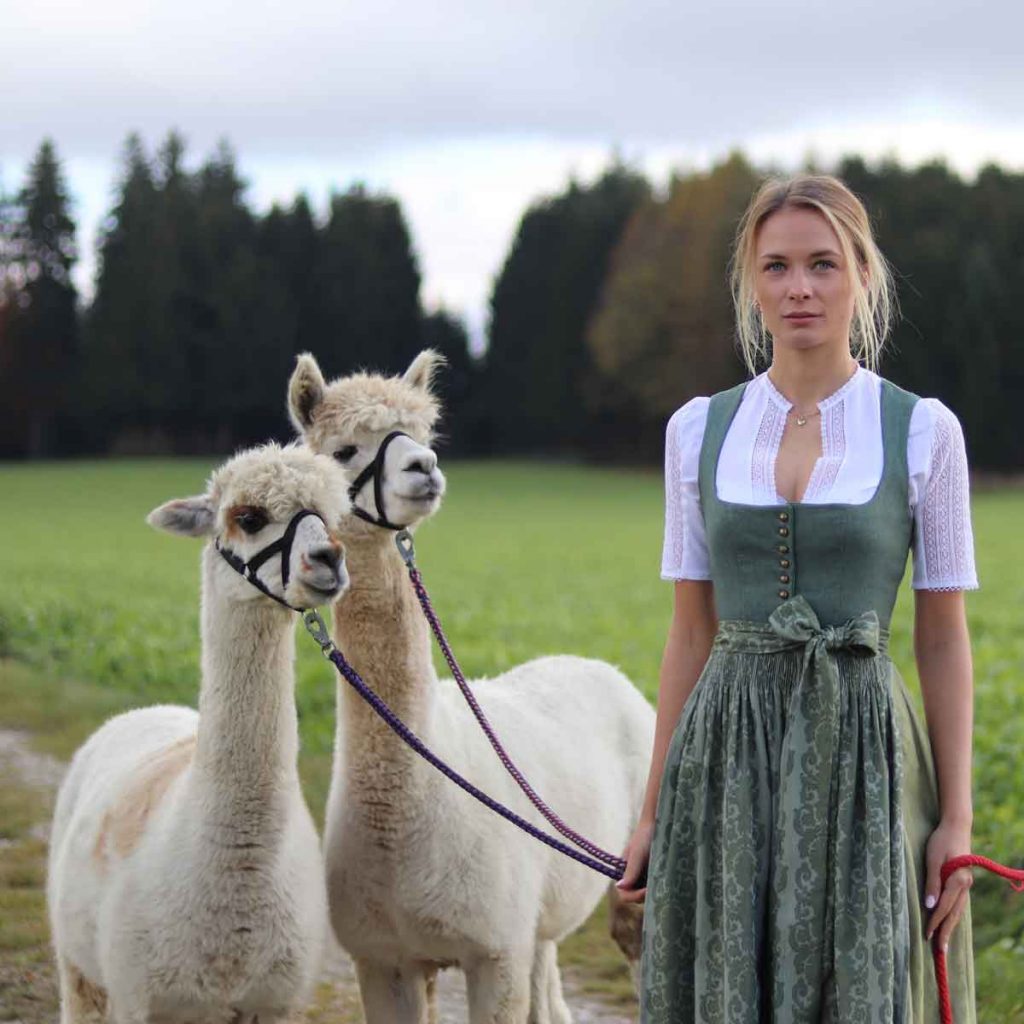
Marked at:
<point>187,517</point>
<point>305,392</point>
<point>421,370</point>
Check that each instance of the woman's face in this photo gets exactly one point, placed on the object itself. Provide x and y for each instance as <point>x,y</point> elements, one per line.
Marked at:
<point>801,281</point>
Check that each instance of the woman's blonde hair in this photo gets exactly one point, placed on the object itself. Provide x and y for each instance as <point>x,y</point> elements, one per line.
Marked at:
<point>874,297</point>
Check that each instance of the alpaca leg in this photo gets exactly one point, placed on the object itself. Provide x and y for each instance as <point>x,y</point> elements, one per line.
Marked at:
<point>392,993</point>
<point>433,1017</point>
<point>80,1000</point>
<point>626,922</point>
<point>547,1004</point>
<point>498,988</point>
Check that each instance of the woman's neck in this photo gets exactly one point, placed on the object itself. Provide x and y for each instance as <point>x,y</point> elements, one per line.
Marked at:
<point>810,376</point>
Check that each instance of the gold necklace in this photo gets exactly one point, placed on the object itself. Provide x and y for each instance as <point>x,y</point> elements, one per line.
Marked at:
<point>801,420</point>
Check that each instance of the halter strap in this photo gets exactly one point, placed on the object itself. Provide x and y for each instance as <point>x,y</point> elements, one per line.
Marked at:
<point>283,545</point>
<point>375,470</point>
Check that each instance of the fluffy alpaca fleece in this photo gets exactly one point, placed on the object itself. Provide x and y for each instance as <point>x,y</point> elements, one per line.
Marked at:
<point>185,876</point>
<point>420,875</point>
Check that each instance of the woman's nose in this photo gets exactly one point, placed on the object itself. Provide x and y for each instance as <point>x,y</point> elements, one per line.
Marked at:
<point>799,285</point>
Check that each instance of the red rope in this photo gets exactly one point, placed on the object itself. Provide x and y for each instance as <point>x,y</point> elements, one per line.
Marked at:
<point>1016,880</point>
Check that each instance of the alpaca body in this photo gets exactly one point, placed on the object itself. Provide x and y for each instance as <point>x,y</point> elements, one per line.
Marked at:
<point>422,875</point>
<point>419,874</point>
<point>185,875</point>
<point>194,925</point>
<point>427,872</point>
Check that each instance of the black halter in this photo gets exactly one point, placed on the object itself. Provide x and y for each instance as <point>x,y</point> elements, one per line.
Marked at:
<point>375,469</point>
<point>283,545</point>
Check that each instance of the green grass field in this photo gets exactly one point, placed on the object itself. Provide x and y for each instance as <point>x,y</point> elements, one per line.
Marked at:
<point>98,612</point>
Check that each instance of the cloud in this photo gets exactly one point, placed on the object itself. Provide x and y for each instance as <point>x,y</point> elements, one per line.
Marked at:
<point>335,79</point>
<point>469,109</point>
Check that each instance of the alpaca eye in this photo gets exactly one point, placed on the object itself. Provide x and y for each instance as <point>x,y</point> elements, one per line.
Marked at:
<point>346,453</point>
<point>252,520</point>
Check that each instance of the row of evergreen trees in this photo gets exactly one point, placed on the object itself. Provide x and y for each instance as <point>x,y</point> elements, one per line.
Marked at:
<point>610,310</point>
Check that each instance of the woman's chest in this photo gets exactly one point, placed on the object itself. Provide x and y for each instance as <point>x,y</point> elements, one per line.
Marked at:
<point>769,458</point>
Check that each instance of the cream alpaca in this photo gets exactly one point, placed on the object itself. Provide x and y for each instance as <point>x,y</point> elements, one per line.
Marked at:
<point>185,879</point>
<point>419,875</point>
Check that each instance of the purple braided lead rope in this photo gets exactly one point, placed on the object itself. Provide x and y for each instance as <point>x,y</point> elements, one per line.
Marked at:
<point>352,676</point>
<point>408,554</point>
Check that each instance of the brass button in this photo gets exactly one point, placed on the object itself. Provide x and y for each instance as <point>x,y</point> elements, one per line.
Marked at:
<point>783,578</point>
<point>783,594</point>
<point>783,531</point>
<point>784,563</point>
<point>784,517</point>
<point>783,549</point>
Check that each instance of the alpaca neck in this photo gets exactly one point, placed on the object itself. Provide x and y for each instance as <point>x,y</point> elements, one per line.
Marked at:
<point>380,627</point>
<point>245,764</point>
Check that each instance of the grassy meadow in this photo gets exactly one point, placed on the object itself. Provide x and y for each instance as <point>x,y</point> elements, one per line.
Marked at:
<point>99,613</point>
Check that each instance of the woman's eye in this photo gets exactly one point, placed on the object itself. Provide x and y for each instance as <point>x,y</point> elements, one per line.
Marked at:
<point>824,265</point>
<point>774,265</point>
<point>252,521</point>
<point>346,453</point>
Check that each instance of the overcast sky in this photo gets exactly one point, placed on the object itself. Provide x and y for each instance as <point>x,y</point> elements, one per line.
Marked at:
<point>469,109</point>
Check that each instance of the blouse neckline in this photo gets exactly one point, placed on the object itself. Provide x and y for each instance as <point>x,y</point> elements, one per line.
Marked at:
<point>779,399</point>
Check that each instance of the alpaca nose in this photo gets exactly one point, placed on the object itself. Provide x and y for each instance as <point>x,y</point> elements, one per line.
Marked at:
<point>424,462</point>
<point>328,555</point>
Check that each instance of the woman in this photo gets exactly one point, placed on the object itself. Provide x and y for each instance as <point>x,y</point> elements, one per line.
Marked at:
<point>795,822</point>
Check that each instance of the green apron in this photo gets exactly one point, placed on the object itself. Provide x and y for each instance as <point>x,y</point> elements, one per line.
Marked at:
<point>787,872</point>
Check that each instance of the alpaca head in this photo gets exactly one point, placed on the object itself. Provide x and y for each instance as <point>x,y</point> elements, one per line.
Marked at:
<point>253,502</point>
<point>350,418</point>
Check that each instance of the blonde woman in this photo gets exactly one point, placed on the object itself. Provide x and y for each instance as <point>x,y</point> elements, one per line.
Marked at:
<point>797,812</point>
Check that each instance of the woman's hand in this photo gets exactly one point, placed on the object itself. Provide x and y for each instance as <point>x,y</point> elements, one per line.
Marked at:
<point>949,840</point>
<point>633,884</point>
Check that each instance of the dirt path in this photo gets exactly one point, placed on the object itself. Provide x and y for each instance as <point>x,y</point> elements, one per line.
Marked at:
<point>338,995</point>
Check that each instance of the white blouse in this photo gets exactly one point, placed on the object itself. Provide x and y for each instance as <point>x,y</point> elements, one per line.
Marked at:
<point>848,472</point>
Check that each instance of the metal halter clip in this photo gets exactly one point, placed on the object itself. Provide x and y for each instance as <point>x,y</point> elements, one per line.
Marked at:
<point>403,540</point>
<point>317,629</point>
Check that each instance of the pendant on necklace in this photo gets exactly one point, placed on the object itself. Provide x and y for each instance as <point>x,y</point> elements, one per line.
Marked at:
<point>801,421</point>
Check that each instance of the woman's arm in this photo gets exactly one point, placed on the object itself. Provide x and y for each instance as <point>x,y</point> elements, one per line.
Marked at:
<point>690,635</point>
<point>943,651</point>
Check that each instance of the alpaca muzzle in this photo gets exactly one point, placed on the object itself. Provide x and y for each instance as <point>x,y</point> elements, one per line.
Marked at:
<point>283,547</point>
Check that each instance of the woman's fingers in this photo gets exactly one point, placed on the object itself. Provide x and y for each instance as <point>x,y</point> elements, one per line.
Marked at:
<point>633,877</point>
<point>952,919</point>
<point>933,885</point>
<point>633,895</point>
<point>958,884</point>
<point>633,884</point>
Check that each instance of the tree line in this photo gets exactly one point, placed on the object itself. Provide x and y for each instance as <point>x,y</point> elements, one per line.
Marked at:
<point>610,310</point>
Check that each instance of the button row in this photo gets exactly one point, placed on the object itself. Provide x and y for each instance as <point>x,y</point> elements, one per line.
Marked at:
<point>783,549</point>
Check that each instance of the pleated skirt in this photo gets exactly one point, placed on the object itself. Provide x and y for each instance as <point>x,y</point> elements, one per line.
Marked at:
<point>787,872</point>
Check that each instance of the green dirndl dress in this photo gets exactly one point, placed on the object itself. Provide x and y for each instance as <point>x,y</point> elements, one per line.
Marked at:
<point>787,870</point>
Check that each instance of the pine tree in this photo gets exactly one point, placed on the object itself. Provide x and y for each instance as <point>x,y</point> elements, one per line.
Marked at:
<point>366,291</point>
<point>538,366</point>
<point>133,363</point>
<point>458,383</point>
<point>41,338</point>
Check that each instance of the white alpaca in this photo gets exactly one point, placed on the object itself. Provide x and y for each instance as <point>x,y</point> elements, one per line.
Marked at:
<point>420,875</point>
<point>185,878</point>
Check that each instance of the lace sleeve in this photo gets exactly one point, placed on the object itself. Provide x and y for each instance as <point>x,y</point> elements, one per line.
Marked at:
<point>685,552</point>
<point>940,496</point>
